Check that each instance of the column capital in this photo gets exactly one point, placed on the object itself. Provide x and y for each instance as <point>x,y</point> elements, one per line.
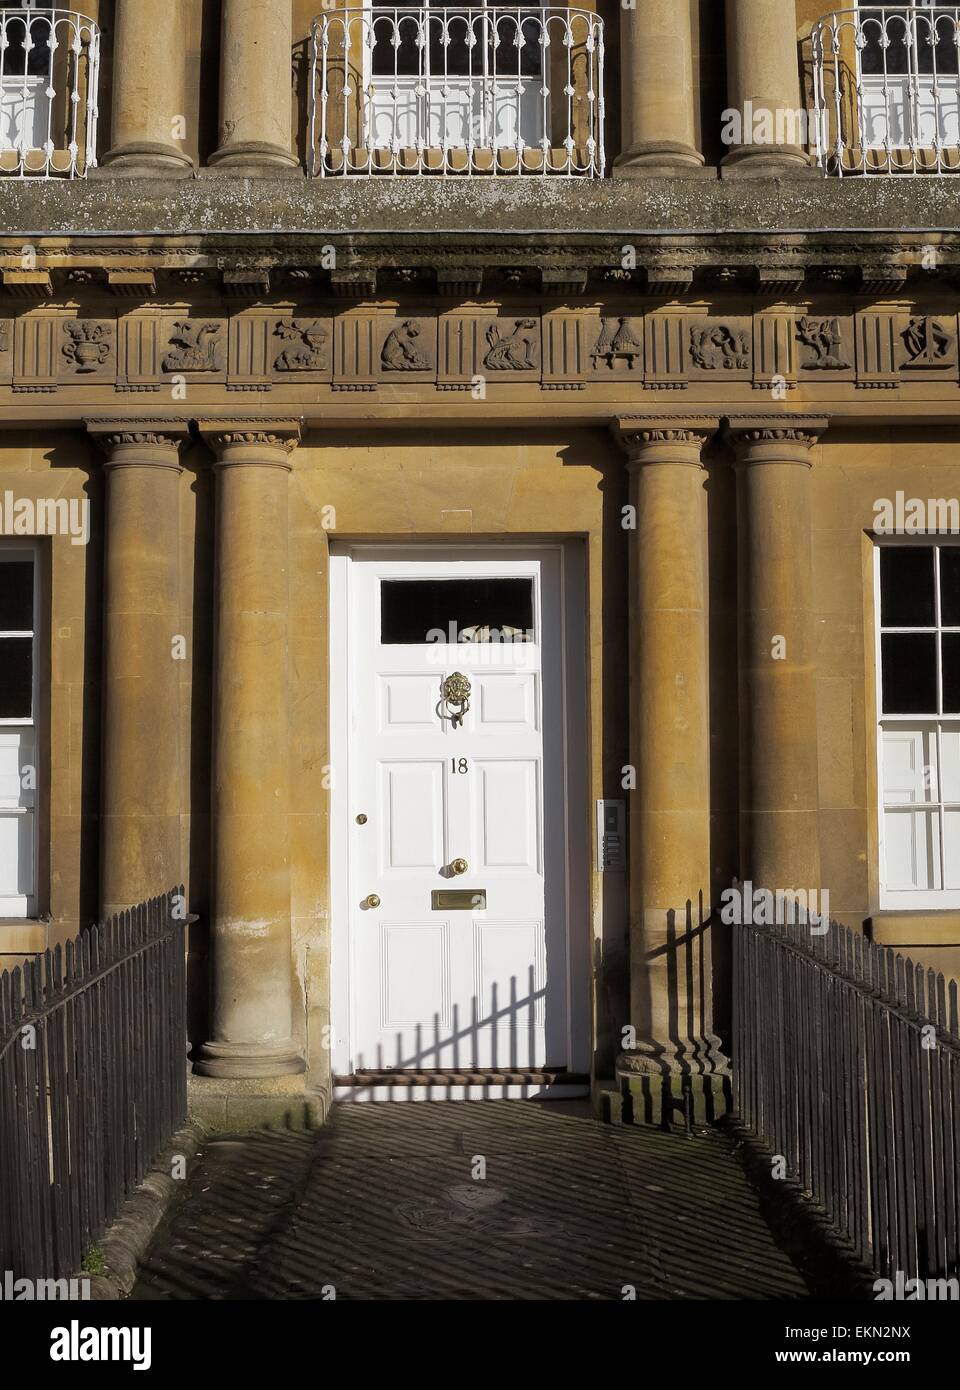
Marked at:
<point>775,437</point>
<point>145,442</point>
<point>256,441</point>
<point>664,438</point>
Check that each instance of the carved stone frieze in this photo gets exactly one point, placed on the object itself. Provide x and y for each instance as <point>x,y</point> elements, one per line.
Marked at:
<point>403,350</point>
<point>88,345</point>
<point>720,347</point>
<point>195,345</point>
<point>824,341</point>
<point>307,347</point>
<point>357,348</point>
<point>929,343</point>
<point>513,349</point>
<point>620,344</point>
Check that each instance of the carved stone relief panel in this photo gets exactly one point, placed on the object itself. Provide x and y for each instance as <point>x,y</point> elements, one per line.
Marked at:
<point>616,349</point>
<point>824,346</point>
<point>720,348</point>
<point>88,350</point>
<point>408,349</point>
<point>511,348</point>
<point>928,345</point>
<point>193,347</point>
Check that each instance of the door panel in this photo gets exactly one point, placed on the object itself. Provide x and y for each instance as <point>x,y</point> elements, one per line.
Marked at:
<point>471,806</point>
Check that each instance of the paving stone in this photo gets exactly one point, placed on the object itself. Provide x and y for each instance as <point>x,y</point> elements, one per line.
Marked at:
<point>383,1204</point>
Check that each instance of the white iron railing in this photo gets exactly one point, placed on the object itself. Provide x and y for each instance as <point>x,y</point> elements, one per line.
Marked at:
<point>886,90</point>
<point>470,89</point>
<point>49,68</point>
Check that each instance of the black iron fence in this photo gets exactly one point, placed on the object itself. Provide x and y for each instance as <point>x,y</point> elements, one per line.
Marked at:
<point>847,1065</point>
<point>92,1082</point>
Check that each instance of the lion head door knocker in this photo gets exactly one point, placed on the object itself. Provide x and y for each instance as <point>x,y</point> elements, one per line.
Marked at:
<point>455,693</point>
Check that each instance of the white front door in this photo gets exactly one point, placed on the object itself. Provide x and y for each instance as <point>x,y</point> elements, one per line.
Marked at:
<point>457,876</point>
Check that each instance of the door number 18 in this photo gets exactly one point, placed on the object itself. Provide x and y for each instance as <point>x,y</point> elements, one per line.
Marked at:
<point>459,765</point>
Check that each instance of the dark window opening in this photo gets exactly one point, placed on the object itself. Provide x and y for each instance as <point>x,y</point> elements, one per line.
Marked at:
<point>415,611</point>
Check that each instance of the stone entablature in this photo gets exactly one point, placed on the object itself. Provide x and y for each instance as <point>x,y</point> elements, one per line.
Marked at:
<point>676,347</point>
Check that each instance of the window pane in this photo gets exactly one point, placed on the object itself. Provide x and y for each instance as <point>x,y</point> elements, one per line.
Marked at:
<point>911,842</point>
<point>885,36</point>
<point>950,585</point>
<point>16,677</point>
<point>951,672</point>
<point>906,586</point>
<point>16,596</point>
<point>462,610</point>
<point>934,35</point>
<point>909,673</point>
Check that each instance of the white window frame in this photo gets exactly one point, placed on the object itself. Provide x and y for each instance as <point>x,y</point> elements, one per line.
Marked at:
<point>874,82</point>
<point>483,90</point>
<point>25,906</point>
<point>917,898</point>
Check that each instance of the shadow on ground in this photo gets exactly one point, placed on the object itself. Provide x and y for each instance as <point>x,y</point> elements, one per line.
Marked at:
<point>383,1203</point>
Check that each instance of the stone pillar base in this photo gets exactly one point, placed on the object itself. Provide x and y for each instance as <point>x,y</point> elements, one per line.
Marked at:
<point>661,159</point>
<point>144,160</point>
<point>239,1061</point>
<point>767,162</point>
<point>226,1106</point>
<point>255,159</point>
<point>670,1096</point>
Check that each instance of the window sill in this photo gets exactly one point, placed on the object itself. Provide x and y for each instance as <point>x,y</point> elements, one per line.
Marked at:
<point>915,927</point>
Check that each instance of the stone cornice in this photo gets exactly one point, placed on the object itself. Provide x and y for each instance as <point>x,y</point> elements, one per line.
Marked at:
<point>207,208</point>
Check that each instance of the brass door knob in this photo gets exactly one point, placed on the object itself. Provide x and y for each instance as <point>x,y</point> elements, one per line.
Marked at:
<point>459,866</point>
<point>371,900</point>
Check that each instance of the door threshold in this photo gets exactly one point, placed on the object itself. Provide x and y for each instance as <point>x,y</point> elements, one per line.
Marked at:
<point>489,1084</point>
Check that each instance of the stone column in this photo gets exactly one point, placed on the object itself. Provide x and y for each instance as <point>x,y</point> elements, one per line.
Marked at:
<point>669,809</point>
<point>251,940</point>
<point>141,789</point>
<point>779,788</point>
<point>658,134</point>
<point>148,91</point>
<point>256,58</point>
<point>763,86</point>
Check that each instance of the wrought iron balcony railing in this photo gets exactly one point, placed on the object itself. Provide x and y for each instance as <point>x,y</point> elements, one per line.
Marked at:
<point>49,66</point>
<point>886,90</point>
<point>452,90</point>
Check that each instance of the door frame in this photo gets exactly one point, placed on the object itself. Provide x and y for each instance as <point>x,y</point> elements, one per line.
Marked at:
<point>576,753</point>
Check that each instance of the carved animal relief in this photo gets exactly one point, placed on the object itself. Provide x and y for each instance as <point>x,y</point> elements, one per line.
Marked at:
<point>400,352</point>
<point>195,348</point>
<point>518,351</point>
<point>719,348</point>
<point>308,346</point>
